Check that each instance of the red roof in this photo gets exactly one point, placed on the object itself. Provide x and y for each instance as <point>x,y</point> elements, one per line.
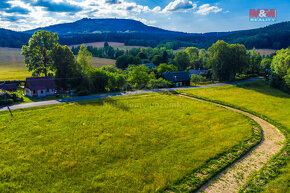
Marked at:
<point>40,83</point>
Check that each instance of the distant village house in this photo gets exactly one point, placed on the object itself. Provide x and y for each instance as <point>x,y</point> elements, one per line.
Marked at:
<point>148,65</point>
<point>8,86</point>
<point>197,72</point>
<point>180,78</point>
<point>39,87</point>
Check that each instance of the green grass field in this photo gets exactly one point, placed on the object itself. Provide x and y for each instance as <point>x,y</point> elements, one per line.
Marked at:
<point>261,98</point>
<point>135,143</point>
<point>12,65</point>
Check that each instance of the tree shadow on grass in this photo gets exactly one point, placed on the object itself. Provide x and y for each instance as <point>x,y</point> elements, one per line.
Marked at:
<point>263,87</point>
<point>102,101</point>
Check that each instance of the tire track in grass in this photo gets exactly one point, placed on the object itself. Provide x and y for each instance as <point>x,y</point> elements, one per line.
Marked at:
<point>234,177</point>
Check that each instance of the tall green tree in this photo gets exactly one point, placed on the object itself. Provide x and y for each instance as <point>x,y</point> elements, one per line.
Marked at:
<point>203,59</point>
<point>124,61</point>
<point>281,69</point>
<point>66,68</point>
<point>139,76</point>
<point>225,60</point>
<point>163,68</point>
<point>254,62</point>
<point>38,53</point>
<point>164,57</point>
<point>182,60</point>
<point>157,59</point>
<point>239,58</point>
<point>84,59</point>
<point>193,56</point>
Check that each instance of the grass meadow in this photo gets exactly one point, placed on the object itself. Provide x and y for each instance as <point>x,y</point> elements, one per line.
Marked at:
<point>258,97</point>
<point>12,65</point>
<point>135,143</point>
<point>99,62</point>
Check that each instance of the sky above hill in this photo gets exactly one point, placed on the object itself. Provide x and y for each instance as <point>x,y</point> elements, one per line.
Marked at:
<point>179,15</point>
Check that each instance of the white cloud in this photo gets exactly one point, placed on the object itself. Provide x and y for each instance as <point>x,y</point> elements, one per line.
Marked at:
<point>206,9</point>
<point>180,6</point>
<point>156,9</point>
<point>40,16</point>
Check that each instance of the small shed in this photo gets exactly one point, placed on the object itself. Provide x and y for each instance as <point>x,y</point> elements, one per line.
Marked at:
<point>39,87</point>
<point>180,78</point>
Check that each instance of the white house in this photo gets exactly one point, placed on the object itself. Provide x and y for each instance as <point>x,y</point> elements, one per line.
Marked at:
<point>39,87</point>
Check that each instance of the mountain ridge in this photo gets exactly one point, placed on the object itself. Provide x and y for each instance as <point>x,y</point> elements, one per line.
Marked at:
<point>105,25</point>
<point>136,33</point>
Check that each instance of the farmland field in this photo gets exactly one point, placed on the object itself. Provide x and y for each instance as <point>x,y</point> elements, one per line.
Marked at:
<point>258,97</point>
<point>12,65</point>
<point>99,62</point>
<point>113,44</point>
<point>123,144</point>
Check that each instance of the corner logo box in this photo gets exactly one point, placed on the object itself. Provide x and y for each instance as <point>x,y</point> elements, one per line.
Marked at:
<point>263,15</point>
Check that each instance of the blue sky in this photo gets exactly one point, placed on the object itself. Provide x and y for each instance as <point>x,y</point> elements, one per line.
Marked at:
<point>181,15</point>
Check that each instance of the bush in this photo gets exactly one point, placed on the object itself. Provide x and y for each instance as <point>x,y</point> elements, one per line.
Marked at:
<point>6,102</point>
<point>197,78</point>
<point>8,98</point>
<point>159,83</point>
<point>277,82</point>
<point>83,92</point>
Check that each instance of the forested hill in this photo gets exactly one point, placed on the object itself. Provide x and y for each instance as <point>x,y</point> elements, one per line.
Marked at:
<point>93,26</point>
<point>135,33</point>
<point>274,36</point>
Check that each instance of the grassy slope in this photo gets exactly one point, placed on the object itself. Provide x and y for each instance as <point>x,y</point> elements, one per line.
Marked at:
<point>261,98</point>
<point>121,144</point>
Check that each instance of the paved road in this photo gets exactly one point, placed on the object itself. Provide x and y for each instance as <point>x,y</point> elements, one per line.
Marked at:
<point>99,96</point>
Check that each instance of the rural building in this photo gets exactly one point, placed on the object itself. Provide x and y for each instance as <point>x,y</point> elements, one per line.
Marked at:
<point>8,87</point>
<point>148,65</point>
<point>180,78</point>
<point>197,72</point>
<point>39,87</point>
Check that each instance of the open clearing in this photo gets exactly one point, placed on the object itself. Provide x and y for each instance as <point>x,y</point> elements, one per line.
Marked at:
<point>113,44</point>
<point>12,65</point>
<point>99,62</point>
<point>135,143</point>
<point>258,97</point>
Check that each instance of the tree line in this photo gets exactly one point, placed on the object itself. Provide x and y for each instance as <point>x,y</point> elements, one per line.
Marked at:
<point>106,52</point>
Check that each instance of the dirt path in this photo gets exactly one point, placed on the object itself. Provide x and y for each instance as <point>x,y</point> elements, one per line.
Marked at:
<point>233,178</point>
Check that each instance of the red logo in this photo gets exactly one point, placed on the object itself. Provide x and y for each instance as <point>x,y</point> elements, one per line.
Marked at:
<point>263,13</point>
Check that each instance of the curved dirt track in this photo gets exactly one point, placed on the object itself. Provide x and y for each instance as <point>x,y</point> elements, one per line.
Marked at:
<point>235,176</point>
